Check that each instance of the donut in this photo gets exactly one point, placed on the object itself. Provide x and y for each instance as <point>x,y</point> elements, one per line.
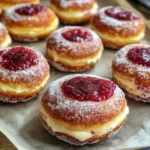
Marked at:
<point>74,12</point>
<point>118,27</point>
<point>83,109</point>
<point>29,22</point>
<point>24,73</point>
<point>5,39</point>
<point>5,4</point>
<point>73,49</point>
<point>131,71</point>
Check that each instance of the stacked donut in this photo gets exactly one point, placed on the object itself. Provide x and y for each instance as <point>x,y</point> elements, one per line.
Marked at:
<point>24,73</point>
<point>78,109</point>
<point>83,109</point>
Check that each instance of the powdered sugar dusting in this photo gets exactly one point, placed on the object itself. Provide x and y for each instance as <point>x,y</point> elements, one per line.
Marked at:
<point>59,43</point>
<point>11,14</point>
<point>27,75</point>
<point>81,111</point>
<point>68,3</point>
<point>140,74</point>
<point>121,58</point>
<point>115,23</point>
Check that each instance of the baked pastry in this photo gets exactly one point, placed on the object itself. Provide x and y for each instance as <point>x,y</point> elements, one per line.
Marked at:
<point>118,27</point>
<point>74,12</point>
<point>5,39</point>
<point>5,4</point>
<point>0,11</point>
<point>131,71</point>
<point>23,74</point>
<point>73,49</point>
<point>29,22</point>
<point>83,109</point>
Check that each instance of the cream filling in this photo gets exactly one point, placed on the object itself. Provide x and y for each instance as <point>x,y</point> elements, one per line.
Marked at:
<point>119,39</point>
<point>33,31</point>
<point>20,89</point>
<point>6,42</point>
<point>75,14</point>
<point>76,62</point>
<point>85,134</point>
<point>130,86</point>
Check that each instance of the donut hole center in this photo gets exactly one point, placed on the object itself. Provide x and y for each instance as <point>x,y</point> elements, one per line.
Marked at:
<point>30,10</point>
<point>139,56</point>
<point>77,35</point>
<point>121,14</point>
<point>18,58</point>
<point>88,89</point>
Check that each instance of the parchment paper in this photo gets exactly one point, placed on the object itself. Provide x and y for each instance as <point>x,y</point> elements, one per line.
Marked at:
<point>21,123</point>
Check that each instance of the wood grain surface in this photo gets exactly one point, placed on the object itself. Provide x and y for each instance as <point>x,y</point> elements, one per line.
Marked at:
<point>5,144</point>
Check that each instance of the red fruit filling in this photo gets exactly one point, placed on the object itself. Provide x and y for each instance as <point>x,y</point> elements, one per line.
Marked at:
<point>30,10</point>
<point>88,89</point>
<point>77,35</point>
<point>18,58</point>
<point>121,14</point>
<point>140,56</point>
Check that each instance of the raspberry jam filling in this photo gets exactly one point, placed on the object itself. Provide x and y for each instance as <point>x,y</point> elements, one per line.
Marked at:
<point>18,58</point>
<point>77,35</point>
<point>121,14</point>
<point>139,56</point>
<point>88,89</point>
<point>30,10</point>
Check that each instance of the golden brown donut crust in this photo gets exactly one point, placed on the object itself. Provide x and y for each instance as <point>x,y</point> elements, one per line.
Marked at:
<point>42,19</point>
<point>28,38</point>
<point>130,70</point>
<point>140,80</point>
<point>72,67</point>
<point>96,113</point>
<point>67,55</point>
<point>75,6</point>
<point>40,73</point>
<point>21,97</point>
<point>81,51</point>
<point>124,32</point>
<point>13,2</point>
<point>129,94</point>
<point>33,80</point>
<point>92,50</point>
<point>28,28</point>
<point>99,118</point>
<point>5,4</point>
<point>73,21</point>
<point>127,31</point>
<point>74,12</point>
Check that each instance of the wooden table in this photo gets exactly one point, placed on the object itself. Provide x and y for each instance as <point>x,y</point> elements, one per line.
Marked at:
<point>5,144</point>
